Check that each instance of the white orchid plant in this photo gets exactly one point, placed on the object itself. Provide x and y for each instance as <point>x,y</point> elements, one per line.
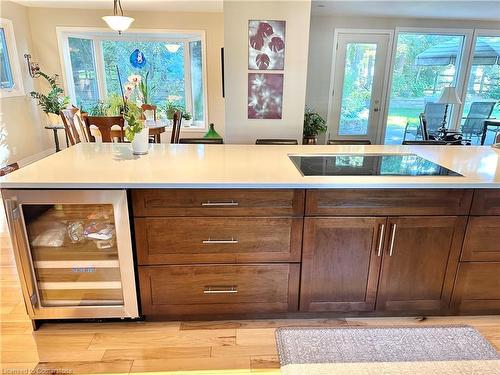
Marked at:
<point>133,113</point>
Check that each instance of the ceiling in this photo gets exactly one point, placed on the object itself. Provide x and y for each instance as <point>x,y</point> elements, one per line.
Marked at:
<point>462,9</point>
<point>140,5</point>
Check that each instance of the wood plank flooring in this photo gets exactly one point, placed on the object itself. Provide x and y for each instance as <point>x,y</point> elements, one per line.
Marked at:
<point>181,348</point>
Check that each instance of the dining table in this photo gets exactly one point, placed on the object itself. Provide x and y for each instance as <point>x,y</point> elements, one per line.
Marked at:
<point>156,128</point>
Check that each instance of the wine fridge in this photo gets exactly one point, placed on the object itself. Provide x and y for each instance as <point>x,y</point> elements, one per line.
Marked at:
<point>73,252</point>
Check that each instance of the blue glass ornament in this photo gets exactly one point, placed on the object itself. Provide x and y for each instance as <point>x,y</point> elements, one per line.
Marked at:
<point>137,59</point>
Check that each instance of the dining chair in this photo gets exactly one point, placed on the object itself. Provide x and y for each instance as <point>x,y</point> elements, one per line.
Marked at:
<point>110,128</point>
<point>285,142</point>
<point>68,120</point>
<point>176,127</point>
<point>349,142</point>
<point>202,141</point>
<point>147,108</point>
<point>425,143</point>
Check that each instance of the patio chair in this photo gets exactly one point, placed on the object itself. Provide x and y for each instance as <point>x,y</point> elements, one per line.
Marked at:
<point>474,122</point>
<point>433,114</point>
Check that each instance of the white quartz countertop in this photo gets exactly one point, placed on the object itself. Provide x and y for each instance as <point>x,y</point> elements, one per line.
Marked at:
<point>109,166</point>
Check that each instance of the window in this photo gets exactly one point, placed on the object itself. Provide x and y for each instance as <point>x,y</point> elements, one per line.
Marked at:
<point>10,74</point>
<point>98,65</point>
<point>483,88</point>
<point>424,64</point>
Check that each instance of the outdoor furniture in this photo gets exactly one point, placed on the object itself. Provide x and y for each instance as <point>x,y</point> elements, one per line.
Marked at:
<point>349,142</point>
<point>284,142</point>
<point>424,143</point>
<point>202,141</point>
<point>55,128</point>
<point>473,125</point>
<point>176,127</point>
<point>110,128</point>
<point>433,115</point>
<point>487,123</point>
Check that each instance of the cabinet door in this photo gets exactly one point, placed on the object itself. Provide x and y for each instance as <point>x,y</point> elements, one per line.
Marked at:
<point>482,239</point>
<point>340,263</point>
<point>420,263</point>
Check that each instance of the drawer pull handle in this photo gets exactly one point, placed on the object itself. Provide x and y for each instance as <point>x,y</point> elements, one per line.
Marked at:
<point>210,241</point>
<point>393,238</point>
<point>221,289</point>
<point>220,204</point>
<point>381,240</point>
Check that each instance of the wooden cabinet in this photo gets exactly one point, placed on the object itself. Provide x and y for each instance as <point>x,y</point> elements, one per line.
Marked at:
<point>219,289</point>
<point>477,289</point>
<point>486,202</point>
<point>482,239</point>
<point>420,263</point>
<point>340,263</point>
<point>184,240</point>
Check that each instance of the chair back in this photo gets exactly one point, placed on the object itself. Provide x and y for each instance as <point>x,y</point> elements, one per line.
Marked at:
<point>146,108</point>
<point>478,112</point>
<point>72,132</point>
<point>202,141</point>
<point>289,142</point>
<point>425,143</point>
<point>176,127</point>
<point>434,115</point>
<point>349,142</point>
<point>110,127</point>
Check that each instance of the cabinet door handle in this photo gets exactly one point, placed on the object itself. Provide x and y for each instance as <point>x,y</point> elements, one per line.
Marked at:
<point>220,204</point>
<point>393,237</point>
<point>381,239</point>
<point>216,289</point>
<point>210,241</point>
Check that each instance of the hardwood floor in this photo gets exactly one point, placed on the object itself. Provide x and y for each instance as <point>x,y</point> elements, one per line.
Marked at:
<point>188,348</point>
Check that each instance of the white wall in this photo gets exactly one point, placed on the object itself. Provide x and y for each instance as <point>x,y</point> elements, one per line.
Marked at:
<point>239,129</point>
<point>321,47</point>
<point>19,116</point>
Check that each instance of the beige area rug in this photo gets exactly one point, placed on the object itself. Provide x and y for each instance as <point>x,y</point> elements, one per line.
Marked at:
<point>402,350</point>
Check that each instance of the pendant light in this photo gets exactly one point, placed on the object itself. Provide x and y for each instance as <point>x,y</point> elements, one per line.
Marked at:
<point>172,48</point>
<point>118,22</point>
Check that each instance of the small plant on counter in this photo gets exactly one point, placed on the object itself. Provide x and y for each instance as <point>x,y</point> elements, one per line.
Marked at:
<point>55,100</point>
<point>135,123</point>
<point>172,107</point>
<point>314,125</point>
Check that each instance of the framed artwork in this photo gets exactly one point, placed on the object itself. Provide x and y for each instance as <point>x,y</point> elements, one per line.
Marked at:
<point>265,95</point>
<point>266,45</point>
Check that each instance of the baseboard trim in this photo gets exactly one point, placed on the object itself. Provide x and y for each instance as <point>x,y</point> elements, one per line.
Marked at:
<point>32,158</point>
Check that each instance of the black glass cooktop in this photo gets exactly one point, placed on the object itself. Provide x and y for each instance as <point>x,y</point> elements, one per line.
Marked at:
<point>368,165</point>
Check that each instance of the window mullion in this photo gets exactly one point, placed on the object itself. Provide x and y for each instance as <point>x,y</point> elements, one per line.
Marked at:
<point>99,65</point>
<point>187,81</point>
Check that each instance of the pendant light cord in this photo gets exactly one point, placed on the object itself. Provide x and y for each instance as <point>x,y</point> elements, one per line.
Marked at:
<point>117,4</point>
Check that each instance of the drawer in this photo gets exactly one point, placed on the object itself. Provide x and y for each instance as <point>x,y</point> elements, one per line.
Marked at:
<point>178,240</point>
<point>482,239</point>
<point>477,288</point>
<point>339,202</point>
<point>218,202</point>
<point>219,289</point>
<point>486,202</point>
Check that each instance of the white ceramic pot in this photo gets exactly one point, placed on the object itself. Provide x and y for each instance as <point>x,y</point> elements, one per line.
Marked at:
<point>53,119</point>
<point>140,144</point>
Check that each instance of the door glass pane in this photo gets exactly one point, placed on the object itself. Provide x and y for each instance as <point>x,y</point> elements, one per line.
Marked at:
<point>357,88</point>
<point>483,89</point>
<point>197,80</point>
<point>81,52</point>
<point>74,254</point>
<point>424,64</point>
<point>6,81</point>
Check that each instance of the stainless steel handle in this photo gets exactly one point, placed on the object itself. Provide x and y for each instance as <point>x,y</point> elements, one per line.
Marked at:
<point>21,252</point>
<point>393,237</point>
<point>219,204</point>
<point>375,109</point>
<point>210,241</point>
<point>215,289</point>
<point>381,239</point>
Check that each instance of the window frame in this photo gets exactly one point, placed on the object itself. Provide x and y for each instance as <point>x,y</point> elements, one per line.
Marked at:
<point>18,88</point>
<point>97,35</point>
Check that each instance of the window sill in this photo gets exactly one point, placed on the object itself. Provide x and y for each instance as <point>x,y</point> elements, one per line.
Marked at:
<point>11,93</point>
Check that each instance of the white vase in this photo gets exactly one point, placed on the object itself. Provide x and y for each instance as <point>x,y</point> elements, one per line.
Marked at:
<point>140,144</point>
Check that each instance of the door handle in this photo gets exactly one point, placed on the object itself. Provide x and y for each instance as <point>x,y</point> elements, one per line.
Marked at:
<point>375,109</point>
<point>393,237</point>
<point>381,240</point>
<point>21,251</point>
<point>210,241</point>
<point>216,289</point>
<point>219,204</point>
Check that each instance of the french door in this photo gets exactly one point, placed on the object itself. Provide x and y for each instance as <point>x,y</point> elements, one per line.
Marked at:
<point>358,86</point>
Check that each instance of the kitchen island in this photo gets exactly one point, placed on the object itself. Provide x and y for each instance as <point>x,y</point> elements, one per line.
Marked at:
<point>237,230</point>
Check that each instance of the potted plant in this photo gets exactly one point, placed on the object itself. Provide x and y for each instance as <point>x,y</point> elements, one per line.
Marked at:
<point>172,107</point>
<point>314,125</point>
<point>135,130</point>
<point>53,102</point>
